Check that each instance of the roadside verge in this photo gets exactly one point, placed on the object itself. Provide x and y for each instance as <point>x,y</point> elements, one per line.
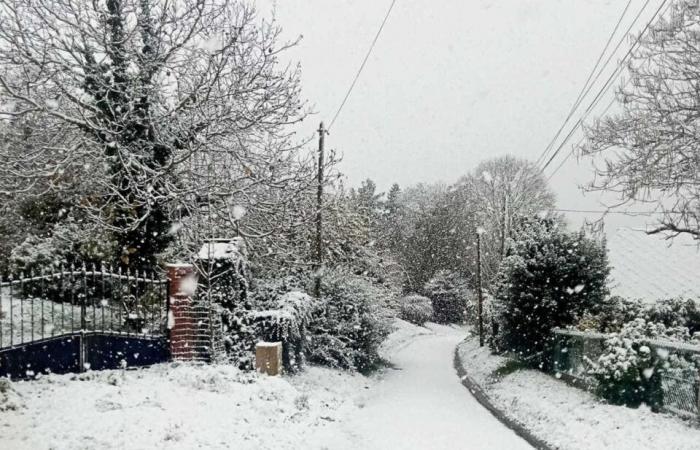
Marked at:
<point>486,402</point>
<point>550,414</point>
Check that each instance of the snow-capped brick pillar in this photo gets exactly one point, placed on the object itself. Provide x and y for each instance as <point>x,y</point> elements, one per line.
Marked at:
<point>182,323</point>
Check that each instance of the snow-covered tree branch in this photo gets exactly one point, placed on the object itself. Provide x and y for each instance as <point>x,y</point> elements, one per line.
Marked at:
<point>155,101</point>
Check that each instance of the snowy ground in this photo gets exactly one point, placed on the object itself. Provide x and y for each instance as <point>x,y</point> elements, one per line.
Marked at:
<point>421,404</point>
<point>418,404</point>
<point>569,418</point>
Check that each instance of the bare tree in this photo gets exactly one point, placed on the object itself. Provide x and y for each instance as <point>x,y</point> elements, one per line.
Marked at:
<point>650,150</point>
<point>165,104</point>
<point>490,197</point>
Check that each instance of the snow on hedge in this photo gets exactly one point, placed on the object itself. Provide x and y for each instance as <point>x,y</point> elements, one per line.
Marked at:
<point>570,418</point>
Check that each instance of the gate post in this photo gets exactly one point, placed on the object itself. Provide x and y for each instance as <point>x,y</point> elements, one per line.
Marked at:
<point>181,325</point>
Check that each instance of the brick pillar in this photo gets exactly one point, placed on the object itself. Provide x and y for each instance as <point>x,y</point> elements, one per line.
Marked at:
<point>182,326</point>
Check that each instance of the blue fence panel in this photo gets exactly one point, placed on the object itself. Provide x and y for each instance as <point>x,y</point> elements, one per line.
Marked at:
<point>105,351</point>
<point>57,355</point>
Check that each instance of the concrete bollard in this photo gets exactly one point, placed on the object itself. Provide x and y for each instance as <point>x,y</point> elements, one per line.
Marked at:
<point>268,358</point>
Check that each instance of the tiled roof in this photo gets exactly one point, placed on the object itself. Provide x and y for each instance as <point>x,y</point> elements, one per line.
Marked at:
<point>650,267</point>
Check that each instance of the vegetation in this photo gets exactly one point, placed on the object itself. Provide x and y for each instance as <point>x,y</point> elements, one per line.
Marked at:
<point>549,279</point>
<point>416,309</point>
<point>449,292</point>
<point>352,323</point>
<point>648,154</point>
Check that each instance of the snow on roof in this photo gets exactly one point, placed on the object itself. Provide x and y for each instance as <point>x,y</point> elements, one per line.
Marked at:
<point>650,267</point>
<point>233,248</point>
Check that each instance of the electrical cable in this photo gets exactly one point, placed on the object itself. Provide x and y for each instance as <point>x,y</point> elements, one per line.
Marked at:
<point>586,88</point>
<point>605,87</point>
<point>362,66</point>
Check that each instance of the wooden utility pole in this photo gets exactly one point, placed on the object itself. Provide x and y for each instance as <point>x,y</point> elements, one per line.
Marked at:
<point>504,225</point>
<point>319,214</point>
<point>479,290</point>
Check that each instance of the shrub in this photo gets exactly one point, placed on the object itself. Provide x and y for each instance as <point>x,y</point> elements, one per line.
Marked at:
<point>352,324</point>
<point>548,279</point>
<point>610,315</point>
<point>448,291</point>
<point>415,309</point>
<point>70,242</point>
<point>10,400</point>
<point>493,311</point>
<point>674,312</point>
<point>224,282</point>
<point>629,372</point>
<point>286,322</point>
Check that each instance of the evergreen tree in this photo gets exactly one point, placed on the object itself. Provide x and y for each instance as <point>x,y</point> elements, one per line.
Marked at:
<point>448,292</point>
<point>549,279</point>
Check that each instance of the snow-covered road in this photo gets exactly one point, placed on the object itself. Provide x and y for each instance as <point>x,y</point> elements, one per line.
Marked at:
<point>422,405</point>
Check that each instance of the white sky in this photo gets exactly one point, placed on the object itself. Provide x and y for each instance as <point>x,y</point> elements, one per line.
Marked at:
<point>452,82</point>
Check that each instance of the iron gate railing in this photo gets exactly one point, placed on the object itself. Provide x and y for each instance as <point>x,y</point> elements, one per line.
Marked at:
<point>39,306</point>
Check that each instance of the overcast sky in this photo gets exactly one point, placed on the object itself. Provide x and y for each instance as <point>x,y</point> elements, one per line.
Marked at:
<point>452,82</point>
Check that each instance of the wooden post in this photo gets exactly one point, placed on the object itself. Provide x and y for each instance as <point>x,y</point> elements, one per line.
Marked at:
<point>479,289</point>
<point>319,214</point>
<point>268,358</point>
<point>697,400</point>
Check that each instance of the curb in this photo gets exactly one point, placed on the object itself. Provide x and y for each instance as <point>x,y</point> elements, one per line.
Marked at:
<point>486,402</point>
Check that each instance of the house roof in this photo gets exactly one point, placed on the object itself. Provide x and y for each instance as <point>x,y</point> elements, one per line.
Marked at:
<point>650,267</point>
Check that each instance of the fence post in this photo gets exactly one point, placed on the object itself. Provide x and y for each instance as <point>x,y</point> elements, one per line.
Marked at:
<point>181,326</point>
<point>697,392</point>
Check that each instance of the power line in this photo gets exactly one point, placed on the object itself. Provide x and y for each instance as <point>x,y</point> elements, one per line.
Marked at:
<point>605,87</point>
<point>584,90</point>
<point>609,211</point>
<point>612,102</point>
<point>362,66</point>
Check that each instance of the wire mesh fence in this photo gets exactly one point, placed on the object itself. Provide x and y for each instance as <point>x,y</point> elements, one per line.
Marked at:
<point>680,392</point>
<point>39,306</point>
<point>576,354</point>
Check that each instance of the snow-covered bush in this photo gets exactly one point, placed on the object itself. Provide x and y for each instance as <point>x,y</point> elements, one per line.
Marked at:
<point>9,398</point>
<point>629,372</point>
<point>352,323</point>
<point>449,292</point>
<point>492,310</point>
<point>225,283</point>
<point>548,279</point>
<point>286,322</point>
<point>675,312</point>
<point>415,309</point>
<point>69,243</point>
<point>35,254</point>
<point>610,315</point>
<point>265,293</point>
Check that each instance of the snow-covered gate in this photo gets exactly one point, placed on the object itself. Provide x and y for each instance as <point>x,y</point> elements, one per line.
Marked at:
<point>76,319</point>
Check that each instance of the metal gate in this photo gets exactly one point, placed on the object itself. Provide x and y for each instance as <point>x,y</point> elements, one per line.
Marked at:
<point>85,318</point>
